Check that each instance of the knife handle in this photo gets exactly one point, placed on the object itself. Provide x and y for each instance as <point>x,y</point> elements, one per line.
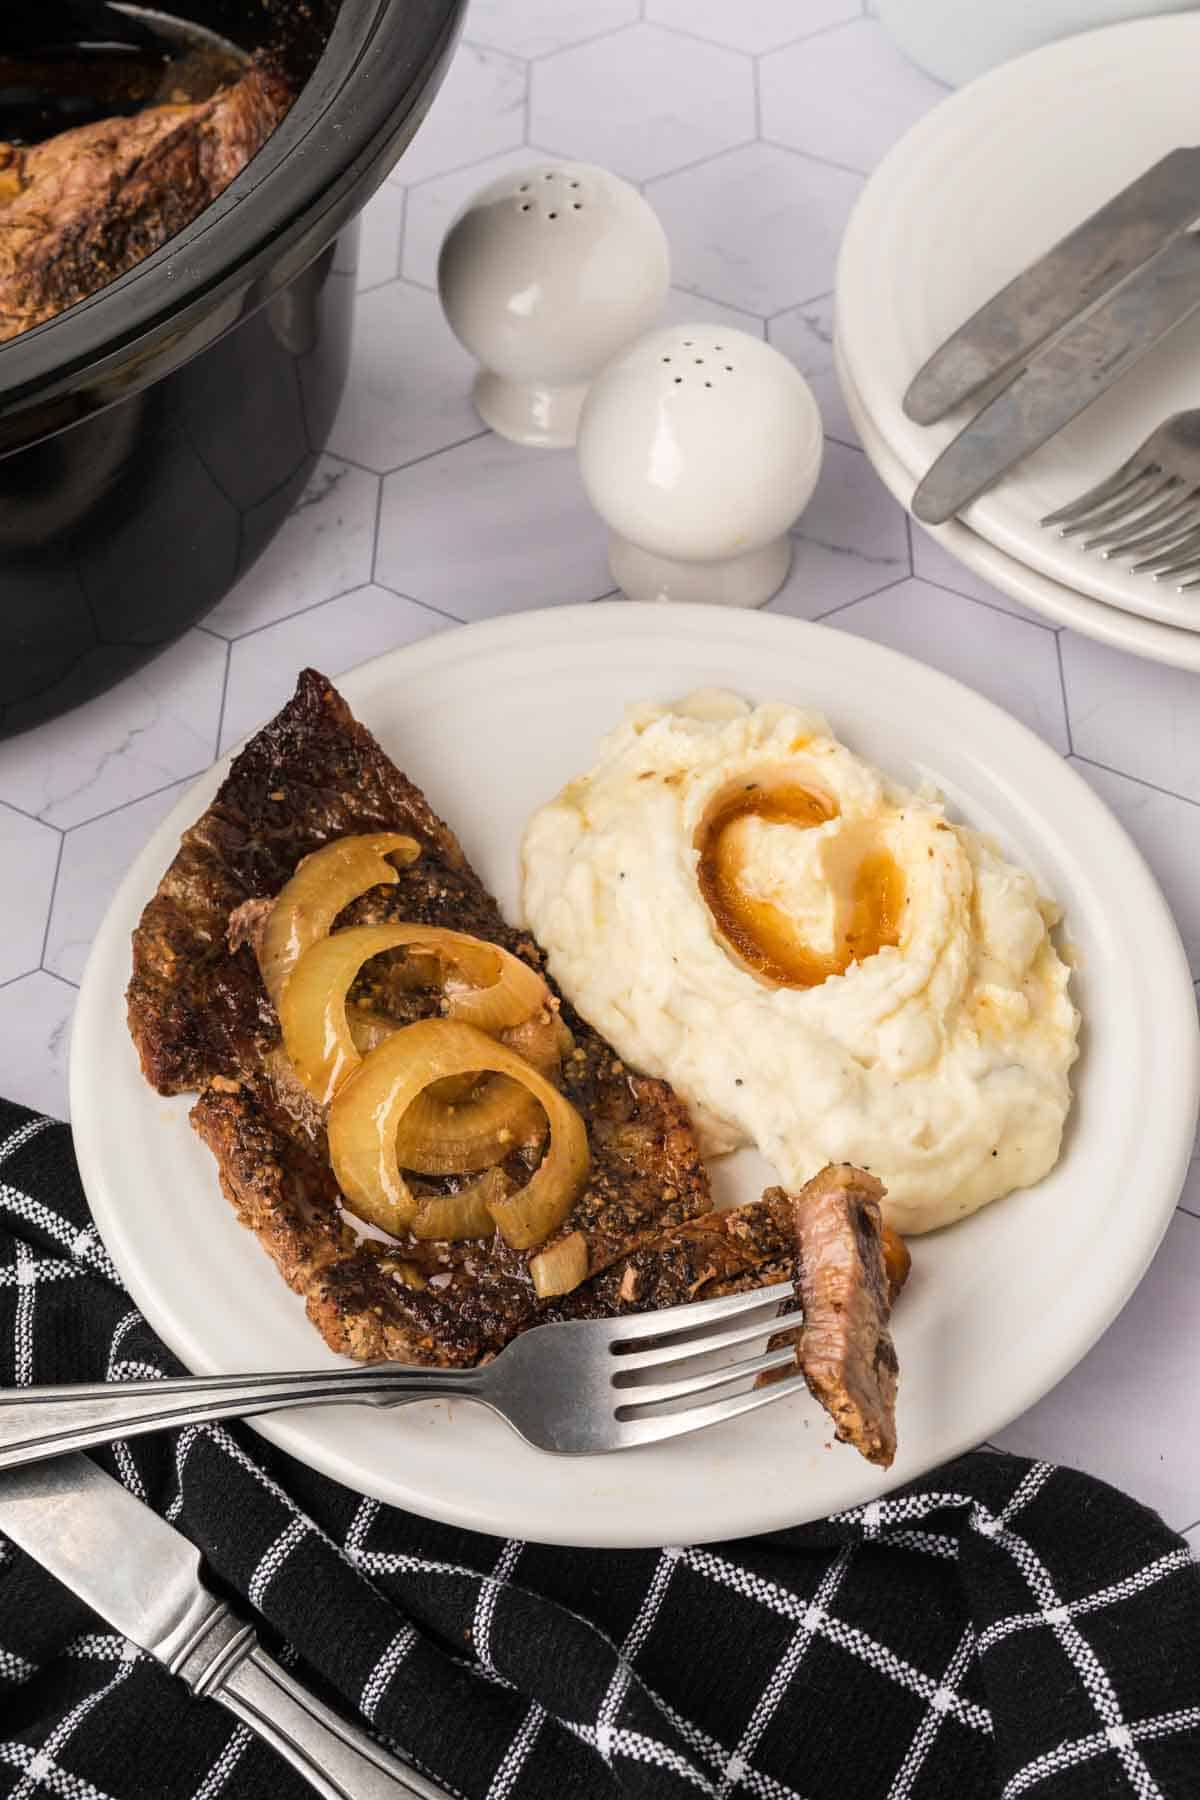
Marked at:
<point>338,1761</point>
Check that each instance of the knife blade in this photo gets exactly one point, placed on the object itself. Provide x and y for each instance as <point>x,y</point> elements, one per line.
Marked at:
<point>1065,378</point>
<point>144,1578</point>
<point>1080,270</point>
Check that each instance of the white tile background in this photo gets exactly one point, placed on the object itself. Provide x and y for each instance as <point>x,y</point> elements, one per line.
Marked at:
<point>751,124</point>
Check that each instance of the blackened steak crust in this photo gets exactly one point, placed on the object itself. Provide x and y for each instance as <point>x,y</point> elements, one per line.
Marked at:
<point>199,1013</point>
<point>198,1009</point>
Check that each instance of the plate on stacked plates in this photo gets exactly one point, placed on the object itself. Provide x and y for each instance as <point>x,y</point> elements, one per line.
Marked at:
<point>980,188</point>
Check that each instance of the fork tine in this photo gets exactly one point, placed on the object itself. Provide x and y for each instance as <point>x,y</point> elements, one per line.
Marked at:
<point>634,1399</point>
<point>1162,543</point>
<point>1146,524</point>
<point>674,1319</point>
<point>1186,587</point>
<point>1095,496</point>
<point>1166,560</point>
<point>687,1348</point>
<point>667,1425</point>
<point>1185,568</point>
<point>1147,487</point>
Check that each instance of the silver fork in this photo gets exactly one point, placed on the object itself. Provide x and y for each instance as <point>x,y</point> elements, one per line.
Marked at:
<point>575,1387</point>
<point>1149,508</point>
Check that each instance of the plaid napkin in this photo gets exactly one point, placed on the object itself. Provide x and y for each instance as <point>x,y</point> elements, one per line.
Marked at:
<point>1001,1628</point>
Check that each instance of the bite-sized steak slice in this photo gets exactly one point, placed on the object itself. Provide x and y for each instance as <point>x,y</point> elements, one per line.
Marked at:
<point>81,208</point>
<point>846,1351</point>
<point>198,1009</point>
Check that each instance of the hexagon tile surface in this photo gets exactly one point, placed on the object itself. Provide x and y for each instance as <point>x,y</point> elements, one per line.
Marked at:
<point>751,125</point>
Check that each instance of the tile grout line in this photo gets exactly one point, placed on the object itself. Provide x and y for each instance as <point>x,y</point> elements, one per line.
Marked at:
<point>23,812</point>
<point>701,162</point>
<point>597,37</point>
<point>428,455</point>
<point>375,528</point>
<point>824,162</point>
<point>795,305</point>
<point>56,976</point>
<point>58,863</point>
<point>1062,682</point>
<point>428,606</point>
<point>978,600</point>
<point>124,805</point>
<point>843,605</point>
<point>1138,780</point>
<point>224,696</point>
<point>300,613</point>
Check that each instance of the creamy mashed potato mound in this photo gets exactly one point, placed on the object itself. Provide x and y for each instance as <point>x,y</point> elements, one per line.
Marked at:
<point>819,962</point>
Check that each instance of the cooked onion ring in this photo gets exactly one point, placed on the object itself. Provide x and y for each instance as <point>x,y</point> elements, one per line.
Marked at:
<point>500,991</point>
<point>461,1136</point>
<point>452,1217</point>
<point>367,1110</point>
<point>323,884</point>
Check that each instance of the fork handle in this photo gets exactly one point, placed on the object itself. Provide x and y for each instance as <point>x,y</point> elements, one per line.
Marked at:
<point>48,1421</point>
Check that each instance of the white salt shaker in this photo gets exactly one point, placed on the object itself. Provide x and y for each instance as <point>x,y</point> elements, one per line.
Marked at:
<point>545,276</point>
<point>699,447</point>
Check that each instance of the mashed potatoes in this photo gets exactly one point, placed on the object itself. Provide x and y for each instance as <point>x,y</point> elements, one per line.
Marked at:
<point>818,961</point>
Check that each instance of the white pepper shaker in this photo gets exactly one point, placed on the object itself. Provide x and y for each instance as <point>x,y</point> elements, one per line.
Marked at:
<point>544,276</point>
<point>699,448</point>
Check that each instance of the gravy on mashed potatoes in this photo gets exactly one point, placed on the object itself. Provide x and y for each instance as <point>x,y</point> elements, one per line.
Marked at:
<point>818,961</point>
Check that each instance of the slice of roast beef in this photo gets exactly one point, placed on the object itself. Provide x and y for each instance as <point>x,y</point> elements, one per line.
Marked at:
<point>198,1009</point>
<point>84,206</point>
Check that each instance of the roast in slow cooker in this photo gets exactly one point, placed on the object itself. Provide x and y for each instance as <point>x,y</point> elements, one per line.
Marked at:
<point>158,432</point>
<point>83,205</point>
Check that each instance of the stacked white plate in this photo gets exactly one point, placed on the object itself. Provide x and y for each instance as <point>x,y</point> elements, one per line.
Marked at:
<point>980,188</point>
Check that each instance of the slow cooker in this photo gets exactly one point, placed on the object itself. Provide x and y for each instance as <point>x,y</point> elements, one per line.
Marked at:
<point>154,437</point>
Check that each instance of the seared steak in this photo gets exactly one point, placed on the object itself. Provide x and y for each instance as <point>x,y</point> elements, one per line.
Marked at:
<point>201,1018</point>
<point>81,208</point>
<point>198,1009</point>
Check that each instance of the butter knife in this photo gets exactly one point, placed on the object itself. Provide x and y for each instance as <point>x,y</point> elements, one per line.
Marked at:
<point>1067,376</point>
<point>1080,270</point>
<point>144,1577</point>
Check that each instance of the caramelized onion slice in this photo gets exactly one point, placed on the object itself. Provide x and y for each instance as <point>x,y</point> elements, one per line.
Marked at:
<point>367,1110</point>
<point>453,1217</point>
<point>325,883</point>
<point>317,1034</point>
<point>462,1136</point>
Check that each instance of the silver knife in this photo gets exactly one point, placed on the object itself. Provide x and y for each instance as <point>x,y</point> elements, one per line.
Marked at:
<point>144,1577</point>
<point>1080,270</point>
<point>1064,379</point>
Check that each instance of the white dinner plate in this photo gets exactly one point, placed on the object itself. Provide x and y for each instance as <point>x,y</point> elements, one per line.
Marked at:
<point>491,720</point>
<point>1107,624</point>
<point>977,190</point>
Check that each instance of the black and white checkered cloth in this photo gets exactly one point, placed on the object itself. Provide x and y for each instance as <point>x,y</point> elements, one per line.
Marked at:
<point>1000,1629</point>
